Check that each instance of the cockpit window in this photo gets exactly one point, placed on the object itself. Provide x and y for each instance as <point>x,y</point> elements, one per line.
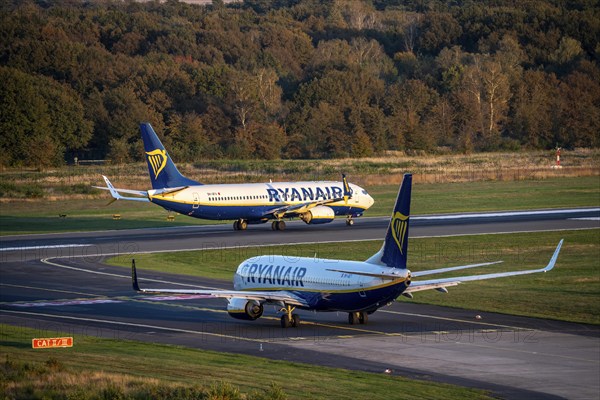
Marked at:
<point>364,191</point>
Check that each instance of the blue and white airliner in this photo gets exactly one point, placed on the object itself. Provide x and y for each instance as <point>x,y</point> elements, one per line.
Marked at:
<point>314,202</point>
<point>357,287</point>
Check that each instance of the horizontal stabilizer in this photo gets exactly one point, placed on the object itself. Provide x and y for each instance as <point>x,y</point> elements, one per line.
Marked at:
<point>167,191</point>
<point>382,275</point>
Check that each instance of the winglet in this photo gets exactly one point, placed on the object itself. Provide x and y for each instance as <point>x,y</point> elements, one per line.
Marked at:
<point>111,188</point>
<point>554,257</point>
<point>134,279</point>
<point>347,190</point>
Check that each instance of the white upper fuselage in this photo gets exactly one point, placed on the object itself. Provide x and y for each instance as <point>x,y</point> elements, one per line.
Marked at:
<point>253,201</point>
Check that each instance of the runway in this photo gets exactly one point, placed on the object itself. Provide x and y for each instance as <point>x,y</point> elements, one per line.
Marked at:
<point>94,245</point>
<point>514,357</point>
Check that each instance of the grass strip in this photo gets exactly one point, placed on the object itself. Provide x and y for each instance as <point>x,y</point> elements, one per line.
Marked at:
<point>103,368</point>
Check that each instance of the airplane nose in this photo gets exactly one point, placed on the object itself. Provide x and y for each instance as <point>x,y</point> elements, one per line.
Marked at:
<point>371,201</point>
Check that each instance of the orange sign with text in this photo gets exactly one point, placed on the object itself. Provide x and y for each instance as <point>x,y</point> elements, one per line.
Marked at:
<point>48,343</point>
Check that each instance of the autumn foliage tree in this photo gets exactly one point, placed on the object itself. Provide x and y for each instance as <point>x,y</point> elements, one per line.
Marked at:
<point>295,78</point>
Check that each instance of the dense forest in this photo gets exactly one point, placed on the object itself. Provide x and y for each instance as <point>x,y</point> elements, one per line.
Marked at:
<point>296,78</point>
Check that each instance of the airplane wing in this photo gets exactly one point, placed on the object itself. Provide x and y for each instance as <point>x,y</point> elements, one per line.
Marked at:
<point>268,296</point>
<point>288,209</point>
<point>385,275</point>
<point>115,192</point>
<point>441,270</point>
<point>441,284</point>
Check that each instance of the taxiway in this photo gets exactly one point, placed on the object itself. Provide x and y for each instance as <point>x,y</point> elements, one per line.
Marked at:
<point>71,291</point>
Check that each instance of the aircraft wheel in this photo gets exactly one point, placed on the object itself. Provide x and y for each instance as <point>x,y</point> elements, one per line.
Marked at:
<point>349,222</point>
<point>236,225</point>
<point>242,225</point>
<point>295,320</point>
<point>285,321</point>
<point>353,318</point>
<point>274,225</point>
<point>363,317</point>
<point>280,225</point>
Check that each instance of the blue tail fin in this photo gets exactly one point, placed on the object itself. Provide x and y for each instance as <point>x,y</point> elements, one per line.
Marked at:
<point>163,173</point>
<point>394,251</point>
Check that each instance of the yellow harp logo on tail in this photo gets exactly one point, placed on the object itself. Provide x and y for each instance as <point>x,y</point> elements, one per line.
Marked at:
<point>157,160</point>
<point>399,228</point>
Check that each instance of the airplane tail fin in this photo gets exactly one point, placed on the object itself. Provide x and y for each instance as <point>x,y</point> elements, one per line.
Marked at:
<point>393,253</point>
<point>347,190</point>
<point>163,172</point>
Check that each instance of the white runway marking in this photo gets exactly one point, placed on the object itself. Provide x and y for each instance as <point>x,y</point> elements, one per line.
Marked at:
<point>502,214</point>
<point>45,261</point>
<point>57,246</point>
<point>119,323</point>
<point>477,322</point>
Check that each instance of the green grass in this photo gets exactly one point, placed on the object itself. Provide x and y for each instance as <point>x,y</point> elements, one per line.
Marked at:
<point>42,216</point>
<point>492,196</point>
<point>127,364</point>
<point>570,292</point>
<point>85,215</point>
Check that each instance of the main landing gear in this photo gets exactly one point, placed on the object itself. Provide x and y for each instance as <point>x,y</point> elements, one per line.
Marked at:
<point>349,221</point>
<point>240,225</point>
<point>278,225</point>
<point>355,318</point>
<point>288,319</point>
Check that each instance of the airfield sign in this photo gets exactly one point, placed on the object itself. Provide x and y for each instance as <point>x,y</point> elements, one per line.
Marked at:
<point>48,343</point>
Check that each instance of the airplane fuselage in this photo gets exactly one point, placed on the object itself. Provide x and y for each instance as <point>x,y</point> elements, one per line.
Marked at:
<point>312,281</point>
<point>253,200</point>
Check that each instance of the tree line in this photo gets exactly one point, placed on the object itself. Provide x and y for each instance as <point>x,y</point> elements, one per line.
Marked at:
<point>296,78</point>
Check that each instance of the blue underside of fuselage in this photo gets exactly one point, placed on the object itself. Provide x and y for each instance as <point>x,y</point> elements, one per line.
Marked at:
<point>353,301</point>
<point>249,213</point>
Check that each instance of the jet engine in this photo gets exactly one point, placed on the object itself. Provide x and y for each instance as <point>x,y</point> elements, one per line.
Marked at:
<point>244,309</point>
<point>318,215</point>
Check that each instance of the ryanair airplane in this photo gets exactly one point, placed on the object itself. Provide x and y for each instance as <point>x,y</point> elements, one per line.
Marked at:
<point>252,203</point>
<point>358,288</point>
